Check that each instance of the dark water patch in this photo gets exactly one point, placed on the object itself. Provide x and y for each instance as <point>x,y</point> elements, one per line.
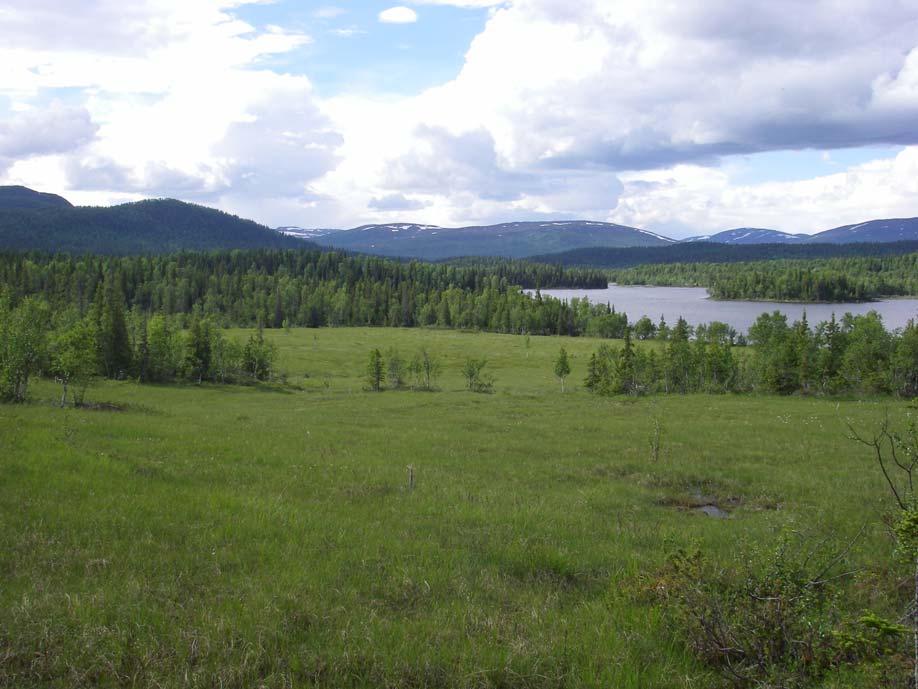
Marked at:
<point>717,507</point>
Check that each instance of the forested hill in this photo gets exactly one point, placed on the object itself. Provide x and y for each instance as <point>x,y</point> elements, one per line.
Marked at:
<point>819,280</point>
<point>704,252</point>
<point>155,226</point>
<point>23,198</point>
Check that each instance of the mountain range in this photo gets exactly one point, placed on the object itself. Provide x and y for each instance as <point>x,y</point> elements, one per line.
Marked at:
<point>524,239</point>
<point>31,220</point>
<point>516,240</point>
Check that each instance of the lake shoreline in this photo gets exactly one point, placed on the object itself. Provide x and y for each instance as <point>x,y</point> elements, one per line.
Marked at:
<point>880,298</point>
<point>696,306</point>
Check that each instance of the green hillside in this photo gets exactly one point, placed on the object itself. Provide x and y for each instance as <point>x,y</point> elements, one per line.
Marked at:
<point>23,198</point>
<point>154,226</point>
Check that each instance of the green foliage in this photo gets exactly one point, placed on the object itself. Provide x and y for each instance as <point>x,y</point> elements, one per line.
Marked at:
<point>562,366</point>
<point>376,371</point>
<point>706,364</point>
<point>199,344</point>
<point>904,373</point>
<point>114,345</point>
<point>164,356</point>
<point>73,359</point>
<point>259,356</point>
<point>858,278</point>
<point>856,355</point>
<point>23,345</point>
<point>645,329</point>
<point>396,368</point>
<point>475,380</point>
<point>309,288</point>
<point>775,617</point>
<point>425,367</point>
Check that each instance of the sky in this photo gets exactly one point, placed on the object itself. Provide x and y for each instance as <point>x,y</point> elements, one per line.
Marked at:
<point>682,118</point>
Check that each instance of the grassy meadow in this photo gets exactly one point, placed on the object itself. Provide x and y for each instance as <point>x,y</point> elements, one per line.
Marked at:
<point>266,536</point>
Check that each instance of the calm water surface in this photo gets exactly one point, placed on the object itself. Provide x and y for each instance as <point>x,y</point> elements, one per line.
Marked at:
<point>694,305</point>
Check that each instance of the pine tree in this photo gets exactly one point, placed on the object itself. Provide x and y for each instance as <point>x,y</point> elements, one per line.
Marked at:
<point>376,374</point>
<point>625,371</point>
<point>114,344</point>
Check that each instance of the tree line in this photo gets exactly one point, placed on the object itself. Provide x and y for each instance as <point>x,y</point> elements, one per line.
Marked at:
<point>306,288</point>
<point>855,355</point>
<point>107,342</point>
<point>824,280</point>
<point>714,252</point>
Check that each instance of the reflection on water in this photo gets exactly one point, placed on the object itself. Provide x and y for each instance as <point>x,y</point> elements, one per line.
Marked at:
<point>694,305</point>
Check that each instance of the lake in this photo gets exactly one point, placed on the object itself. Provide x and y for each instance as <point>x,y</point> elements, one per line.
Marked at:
<point>695,306</point>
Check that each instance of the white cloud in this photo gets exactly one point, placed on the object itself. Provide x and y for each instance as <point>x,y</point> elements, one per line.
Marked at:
<point>555,91</point>
<point>689,199</point>
<point>398,15</point>
<point>175,102</point>
<point>329,12</point>
<point>38,132</point>
<point>604,109</point>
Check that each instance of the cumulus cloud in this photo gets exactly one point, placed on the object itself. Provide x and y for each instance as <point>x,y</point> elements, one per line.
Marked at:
<point>398,15</point>
<point>53,129</point>
<point>555,94</point>
<point>182,106</point>
<point>36,132</point>
<point>689,199</point>
<point>265,156</point>
<point>396,202</point>
<point>604,109</point>
<point>614,85</point>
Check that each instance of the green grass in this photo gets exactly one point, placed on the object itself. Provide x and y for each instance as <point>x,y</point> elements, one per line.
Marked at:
<point>265,536</point>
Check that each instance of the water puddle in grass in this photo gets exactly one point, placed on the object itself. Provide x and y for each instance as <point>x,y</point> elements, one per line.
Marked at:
<point>712,511</point>
<point>702,504</point>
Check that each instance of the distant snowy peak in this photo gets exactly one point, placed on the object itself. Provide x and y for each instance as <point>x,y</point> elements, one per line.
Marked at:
<point>888,230</point>
<point>750,235</point>
<point>521,239</point>
<point>302,232</point>
<point>395,227</point>
<point>514,239</point>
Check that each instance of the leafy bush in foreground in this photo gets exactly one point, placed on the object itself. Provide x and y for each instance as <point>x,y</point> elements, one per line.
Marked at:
<point>777,618</point>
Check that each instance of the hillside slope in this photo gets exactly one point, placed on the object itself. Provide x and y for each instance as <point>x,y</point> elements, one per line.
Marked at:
<point>23,198</point>
<point>888,230</point>
<point>749,235</point>
<point>155,226</point>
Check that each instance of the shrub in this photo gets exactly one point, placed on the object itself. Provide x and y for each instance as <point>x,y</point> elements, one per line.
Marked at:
<point>777,619</point>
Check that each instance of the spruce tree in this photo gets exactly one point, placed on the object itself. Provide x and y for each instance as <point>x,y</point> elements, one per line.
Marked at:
<point>376,373</point>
